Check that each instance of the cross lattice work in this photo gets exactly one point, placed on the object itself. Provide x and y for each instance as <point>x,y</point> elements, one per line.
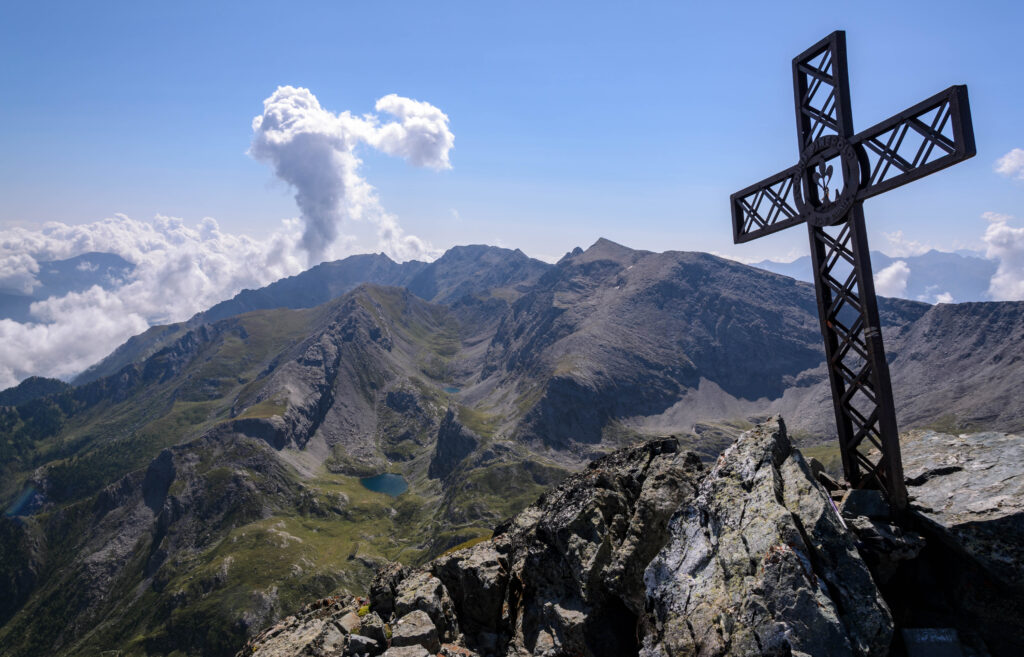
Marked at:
<point>837,171</point>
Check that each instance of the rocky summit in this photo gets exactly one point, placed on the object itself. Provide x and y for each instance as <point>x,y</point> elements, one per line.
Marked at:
<point>646,552</point>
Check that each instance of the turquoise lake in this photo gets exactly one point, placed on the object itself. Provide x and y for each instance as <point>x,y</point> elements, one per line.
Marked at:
<point>451,390</point>
<point>389,484</point>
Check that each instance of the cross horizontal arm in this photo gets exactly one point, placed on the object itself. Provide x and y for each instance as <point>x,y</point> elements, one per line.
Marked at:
<point>929,136</point>
<point>765,207</point>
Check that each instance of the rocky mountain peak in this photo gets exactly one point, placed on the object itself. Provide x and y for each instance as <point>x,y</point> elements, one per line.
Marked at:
<point>605,249</point>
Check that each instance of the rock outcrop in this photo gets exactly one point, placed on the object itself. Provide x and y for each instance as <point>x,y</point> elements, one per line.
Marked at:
<point>967,496</point>
<point>971,488</point>
<point>760,563</point>
<point>645,552</point>
<point>454,443</point>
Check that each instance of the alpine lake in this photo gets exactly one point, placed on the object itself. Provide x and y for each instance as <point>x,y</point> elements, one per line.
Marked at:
<point>387,483</point>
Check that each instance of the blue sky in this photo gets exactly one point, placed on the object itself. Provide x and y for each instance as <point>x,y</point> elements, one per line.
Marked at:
<point>633,121</point>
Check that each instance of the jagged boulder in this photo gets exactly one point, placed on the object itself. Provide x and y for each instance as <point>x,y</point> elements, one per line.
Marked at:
<point>316,631</point>
<point>423,592</point>
<point>561,577</point>
<point>971,488</point>
<point>967,496</point>
<point>759,563</point>
<point>415,629</point>
<point>476,578</point>
<point>382,589</point>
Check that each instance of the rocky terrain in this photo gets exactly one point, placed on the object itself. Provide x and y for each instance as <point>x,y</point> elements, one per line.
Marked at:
<point>207,478</point>
<point>649,552</point>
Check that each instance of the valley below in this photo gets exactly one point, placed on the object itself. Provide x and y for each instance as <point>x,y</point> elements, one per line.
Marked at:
<point>211,477</point>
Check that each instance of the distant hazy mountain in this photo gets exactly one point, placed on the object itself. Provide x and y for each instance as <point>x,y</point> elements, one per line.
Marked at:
<point>59,277</point>
<point>962,274</point>
<point>209,484</point>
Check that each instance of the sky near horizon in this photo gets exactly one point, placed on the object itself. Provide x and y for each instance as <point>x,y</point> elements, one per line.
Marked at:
<point>412,127</point>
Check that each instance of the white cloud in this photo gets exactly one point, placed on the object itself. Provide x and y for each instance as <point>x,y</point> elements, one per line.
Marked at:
<point>313,150</point>
<point>932,295</point>
<point>179,271</point>
<point>1011,165</point>
<point>1005,244</point>
<point>901,247</point>
<point>892,281</point>
<point>18,272</point>
<point>422,137</point>
<point>83,328</point>
<point>993,217</point>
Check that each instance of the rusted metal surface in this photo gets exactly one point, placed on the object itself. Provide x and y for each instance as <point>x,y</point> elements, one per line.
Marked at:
<point>837,171</point>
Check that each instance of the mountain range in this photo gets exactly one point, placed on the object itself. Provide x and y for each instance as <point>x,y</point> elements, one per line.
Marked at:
<point>206,477</point>
<point>962,275</point>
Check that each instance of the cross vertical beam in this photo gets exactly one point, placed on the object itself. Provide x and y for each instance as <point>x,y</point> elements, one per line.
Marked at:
<point>837,171</point>
<point>855,358</point>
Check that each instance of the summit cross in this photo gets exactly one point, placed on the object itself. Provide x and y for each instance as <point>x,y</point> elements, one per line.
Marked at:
<point>837,171</point>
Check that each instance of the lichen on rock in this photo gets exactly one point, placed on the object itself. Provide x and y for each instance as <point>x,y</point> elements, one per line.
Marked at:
<point>759,563</point>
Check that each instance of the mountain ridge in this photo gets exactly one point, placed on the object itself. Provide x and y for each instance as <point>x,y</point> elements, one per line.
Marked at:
<point>271,417</point>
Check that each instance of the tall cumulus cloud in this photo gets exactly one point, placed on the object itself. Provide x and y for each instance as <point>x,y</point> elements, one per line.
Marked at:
<point>313,150</point>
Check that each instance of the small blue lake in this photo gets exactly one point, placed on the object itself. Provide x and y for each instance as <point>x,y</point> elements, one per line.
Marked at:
<point>389,484</point>
<point>20,503</point>
<point>451,390</point>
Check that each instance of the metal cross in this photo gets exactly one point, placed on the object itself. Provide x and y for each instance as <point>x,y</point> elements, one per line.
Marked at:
<point>837,171</point>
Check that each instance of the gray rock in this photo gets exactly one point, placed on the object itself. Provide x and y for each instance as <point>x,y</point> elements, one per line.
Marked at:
<point>884,545</point>
<point>349,623</point>
<point>424,592</point>
<point>314,631</point>
<point>476,580</point>
<point>415,629</point>
<point>759,563</point>
<point>382,589</point>
<point>865,502</point>
<point>970,488</point>
<point>373,627</point>
<point>576,557</point>
<point>451,650</point>
<point>406,651</point>
<point>967,492</point>
<point>359,645</point>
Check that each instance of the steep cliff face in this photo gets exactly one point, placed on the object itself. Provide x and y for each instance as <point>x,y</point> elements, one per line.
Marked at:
<point>454,443</point>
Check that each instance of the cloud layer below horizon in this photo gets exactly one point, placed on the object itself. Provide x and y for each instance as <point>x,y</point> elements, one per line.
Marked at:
<point>179,271</point>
